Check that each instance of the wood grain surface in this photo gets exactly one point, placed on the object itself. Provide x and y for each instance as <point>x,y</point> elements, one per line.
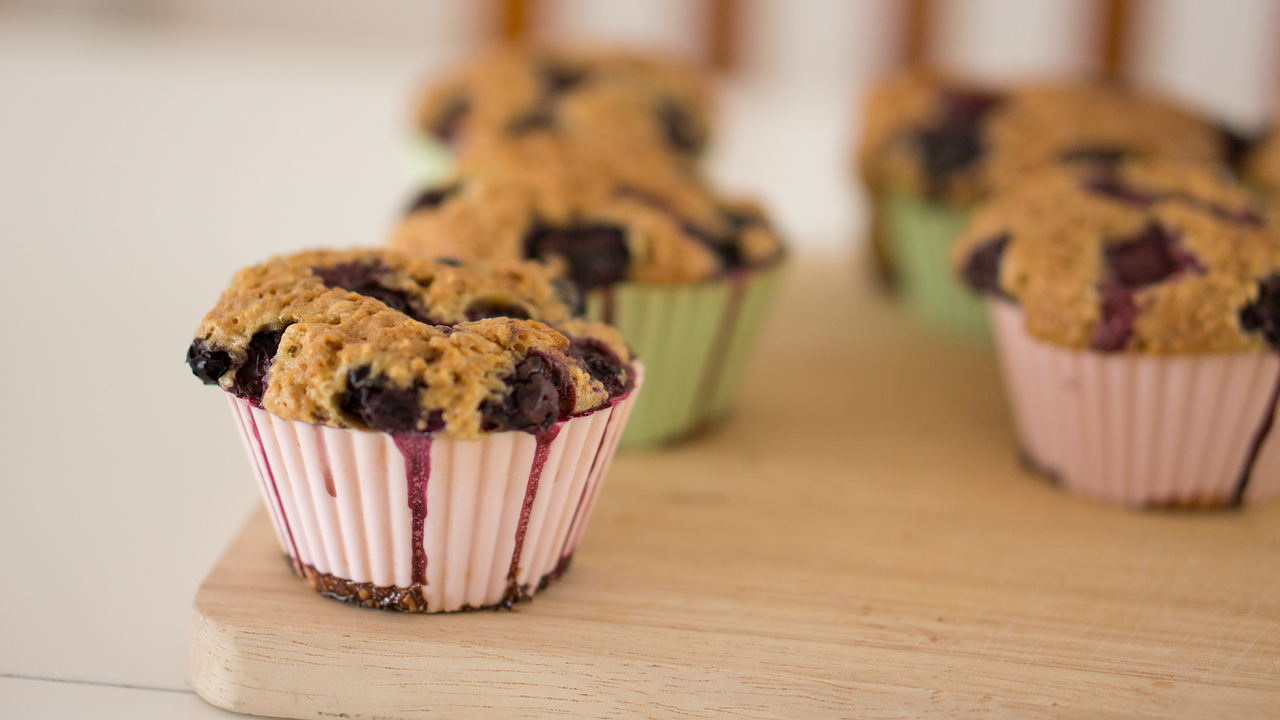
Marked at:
<point>858,540</point>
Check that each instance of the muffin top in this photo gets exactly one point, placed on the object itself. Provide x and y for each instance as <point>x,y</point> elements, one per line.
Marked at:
<point>599,218</point>
<point>372,340</point>
<point>954,143</point>
<point>1141,257</point>
<point>612,99</point>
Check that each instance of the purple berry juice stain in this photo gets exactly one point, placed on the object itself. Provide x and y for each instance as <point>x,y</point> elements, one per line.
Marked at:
<point>1152,256</point>
<point>1255,448</point>
<point>1262,315</point>
<point>544,439</point>
<point>416,449</point>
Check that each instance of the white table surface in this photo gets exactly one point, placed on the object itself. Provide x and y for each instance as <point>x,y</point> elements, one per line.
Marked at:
<point>140,166</point>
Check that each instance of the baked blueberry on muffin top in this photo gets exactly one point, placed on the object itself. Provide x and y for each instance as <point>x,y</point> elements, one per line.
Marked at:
<point>603,218</point>
<point>613,96</point>
<point>372,340</point>
<point>1143,257</point>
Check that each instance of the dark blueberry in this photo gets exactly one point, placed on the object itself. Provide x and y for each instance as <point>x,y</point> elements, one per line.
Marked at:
<point>955,142</point>
<point>967,108</point>
<point>679,127</point>
<point>602,364</point>
<point>449,122</point>
<point>1263,314</point>
<point>597,254</point>
<point>741,220</point>
<point>982,268</point>
<point>1119,312</point>
<point>1110,186</point>
<point>560,79</point>
<point>481,309</point>
<point>431,198</point>
<point>377,405</point>
<point>251,377</point>
<point>1153,256</point>
<point>1096,155</point>
<point>532,401</point>
<point>945,152</point>
<point>207,364</point>
<point>540,118</point>
<point>1235,145</point>
<point>725,248</point>
<point>363,279</point>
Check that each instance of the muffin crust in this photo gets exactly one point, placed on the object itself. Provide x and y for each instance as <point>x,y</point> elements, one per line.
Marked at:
<point>1142,257</point>
<point>955,143</point>
<point>610,99</point>
<point>600,217</point>
<point>370,339</point>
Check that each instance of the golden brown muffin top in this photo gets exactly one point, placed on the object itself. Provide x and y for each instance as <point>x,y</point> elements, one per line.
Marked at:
<point>606,98</point>
<point>601,218</point>
<point>1155,258</point>
<point>956,143</point>
<point>373,340</point>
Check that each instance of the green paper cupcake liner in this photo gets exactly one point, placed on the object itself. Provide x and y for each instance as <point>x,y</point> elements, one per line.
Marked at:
<point>694,342</point>
<point>920,234</point>
<point>430,161</point>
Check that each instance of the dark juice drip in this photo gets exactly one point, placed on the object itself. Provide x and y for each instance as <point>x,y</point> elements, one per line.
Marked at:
<point>297,559</point>
<point>720,349</point>
<point>1259,438</point>
<point>545,439</point>
<point>324,464</point>
<point>417,468</point>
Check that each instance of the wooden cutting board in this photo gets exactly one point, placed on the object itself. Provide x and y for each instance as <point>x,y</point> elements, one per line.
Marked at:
<point>857,540</point>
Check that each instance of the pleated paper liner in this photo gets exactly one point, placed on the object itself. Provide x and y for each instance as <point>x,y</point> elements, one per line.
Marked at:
<point>694,340</point>
<point>1143,430</point>
<point>413,523</point>
<point>430,161</point>
<point>920,234</point>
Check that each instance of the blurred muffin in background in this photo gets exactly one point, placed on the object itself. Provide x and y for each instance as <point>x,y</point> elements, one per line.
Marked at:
<point>933,148</point>
<point>684,274</point>
<point>606,99</point>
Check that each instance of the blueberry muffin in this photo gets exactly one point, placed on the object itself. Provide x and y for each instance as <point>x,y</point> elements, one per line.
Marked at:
<point>684,274</point>
<point>931,149</point>
<point>1137,313</point>
<point>612,101</point>
<point>413,422</point>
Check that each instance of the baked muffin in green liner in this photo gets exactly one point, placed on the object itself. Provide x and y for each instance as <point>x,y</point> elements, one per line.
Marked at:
<point>687,276</point>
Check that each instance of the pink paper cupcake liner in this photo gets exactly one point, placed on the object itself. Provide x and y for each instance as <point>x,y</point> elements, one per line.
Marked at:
<point>430,524</point>
<point>1143,430</point>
